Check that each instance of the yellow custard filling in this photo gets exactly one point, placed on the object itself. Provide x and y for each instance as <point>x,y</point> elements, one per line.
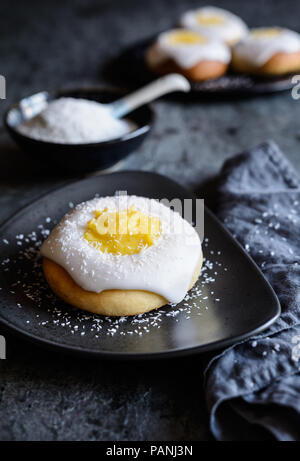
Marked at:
<point>185,37</point>
<point>206,19</point>
<point>269,32</point>
<point>122,232</point>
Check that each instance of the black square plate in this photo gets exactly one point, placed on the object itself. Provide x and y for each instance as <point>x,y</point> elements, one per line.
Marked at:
<point>231,300</point>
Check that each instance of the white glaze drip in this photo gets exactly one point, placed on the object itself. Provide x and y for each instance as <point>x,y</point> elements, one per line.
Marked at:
<point>258,50</point>
<point>75,121</point>
<point>187,55</point>
<point>165,268</point>
<point>231,29</point>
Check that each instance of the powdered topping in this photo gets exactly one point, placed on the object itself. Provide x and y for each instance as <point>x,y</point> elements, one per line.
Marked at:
<point>166,267</point>
<point>75,121</point>
<point>216,23</point>
<point>187,49</point>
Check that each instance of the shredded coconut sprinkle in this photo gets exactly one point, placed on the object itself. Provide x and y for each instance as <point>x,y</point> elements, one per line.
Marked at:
<point>26,280</point>
<point>75,121</point>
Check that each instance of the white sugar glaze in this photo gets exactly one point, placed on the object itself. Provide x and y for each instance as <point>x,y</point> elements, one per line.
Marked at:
<point>230,29</point>
<point>165,268</point>
<point>187,55</point>
<point>258,50</point>
<point>75,121</point>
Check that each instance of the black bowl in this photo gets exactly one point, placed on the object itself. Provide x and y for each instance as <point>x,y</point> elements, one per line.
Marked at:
<point>77,157</point>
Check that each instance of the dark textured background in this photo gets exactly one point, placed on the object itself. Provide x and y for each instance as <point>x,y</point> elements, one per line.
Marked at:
<point>50,44</point>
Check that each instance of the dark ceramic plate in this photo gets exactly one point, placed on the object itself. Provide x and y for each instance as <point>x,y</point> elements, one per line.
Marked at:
<point>230,302</point>
<point>130,69</point>
<point>77,157</point>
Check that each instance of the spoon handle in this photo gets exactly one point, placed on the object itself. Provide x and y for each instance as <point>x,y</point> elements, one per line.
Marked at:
<point>161,86</point>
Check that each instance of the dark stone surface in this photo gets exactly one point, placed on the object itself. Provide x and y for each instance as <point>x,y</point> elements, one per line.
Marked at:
<point>44,45</point>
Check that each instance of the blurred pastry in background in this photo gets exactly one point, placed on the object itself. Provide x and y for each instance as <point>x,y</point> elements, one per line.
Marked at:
<point>267,51</point>
<point>193,55</point>
<point>216,23</point>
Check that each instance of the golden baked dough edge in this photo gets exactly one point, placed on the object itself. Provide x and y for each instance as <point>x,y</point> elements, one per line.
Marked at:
<point>203,70</point>
<point>278,64</point>
<point>109,302</point>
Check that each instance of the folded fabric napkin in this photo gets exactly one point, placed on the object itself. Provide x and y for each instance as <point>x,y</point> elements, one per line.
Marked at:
<point>253,388</point>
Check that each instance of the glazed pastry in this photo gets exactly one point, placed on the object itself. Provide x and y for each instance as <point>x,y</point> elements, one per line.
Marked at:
<point>267,51</point>
<point>122,256</point>
<point>216,23</point>
<point>193,55</point>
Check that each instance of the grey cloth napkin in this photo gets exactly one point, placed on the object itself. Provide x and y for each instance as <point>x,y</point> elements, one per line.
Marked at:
<point>253,388</point>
